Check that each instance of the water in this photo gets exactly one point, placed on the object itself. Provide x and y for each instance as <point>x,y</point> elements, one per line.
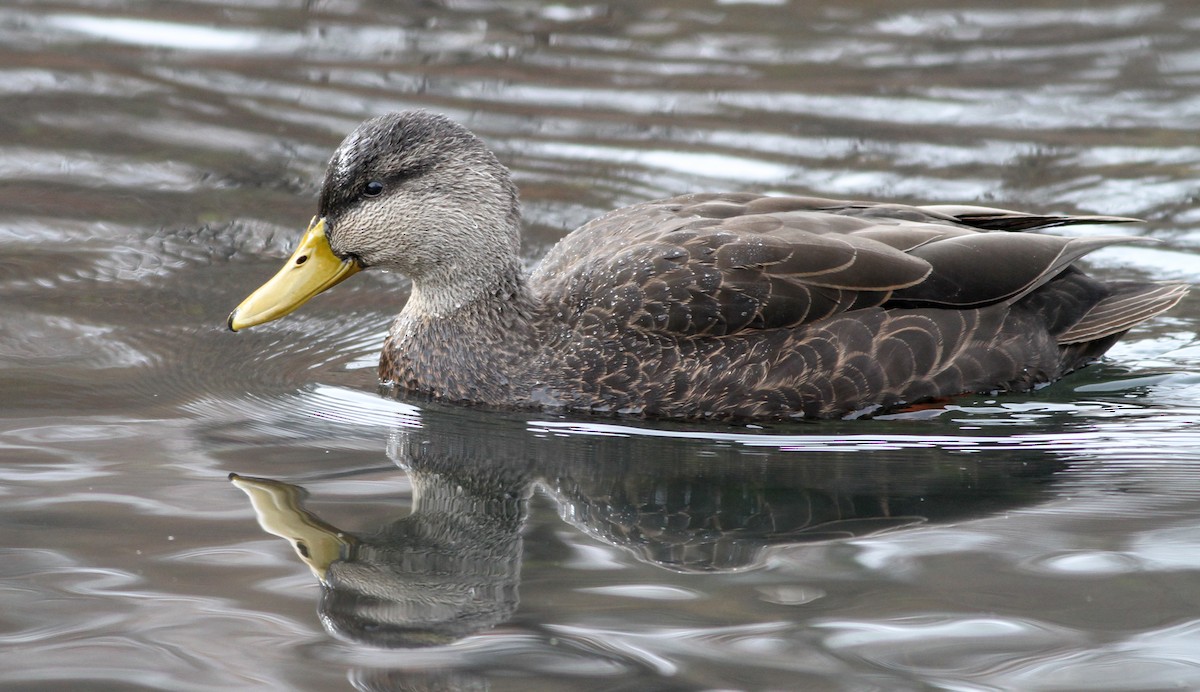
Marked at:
<point>158,160</point>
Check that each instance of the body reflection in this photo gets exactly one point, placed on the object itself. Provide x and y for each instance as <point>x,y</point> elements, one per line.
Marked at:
<point>452,566</point>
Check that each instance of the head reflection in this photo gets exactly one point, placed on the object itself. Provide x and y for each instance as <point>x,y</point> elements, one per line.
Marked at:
<point>445,571</point>
<point>451,567</point>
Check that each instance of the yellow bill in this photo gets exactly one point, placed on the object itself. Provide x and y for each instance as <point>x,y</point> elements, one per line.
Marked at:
<point>279,511</point>
<point>312,268</point>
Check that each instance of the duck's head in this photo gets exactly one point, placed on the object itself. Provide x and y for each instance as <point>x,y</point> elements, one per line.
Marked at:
<point>413,192</point>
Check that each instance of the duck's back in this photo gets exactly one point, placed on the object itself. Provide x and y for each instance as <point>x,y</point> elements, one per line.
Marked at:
<point>747,306</point>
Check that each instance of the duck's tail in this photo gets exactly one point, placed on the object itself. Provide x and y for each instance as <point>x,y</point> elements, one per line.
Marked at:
<point>1128,304</point>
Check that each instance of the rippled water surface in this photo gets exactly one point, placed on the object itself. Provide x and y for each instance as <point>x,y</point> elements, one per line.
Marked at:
<point>157,160</point>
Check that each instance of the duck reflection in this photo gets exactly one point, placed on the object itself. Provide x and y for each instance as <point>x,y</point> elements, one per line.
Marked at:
<point>451,567</point>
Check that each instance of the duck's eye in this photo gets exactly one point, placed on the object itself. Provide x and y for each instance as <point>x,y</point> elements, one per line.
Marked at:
<point>373,189</point>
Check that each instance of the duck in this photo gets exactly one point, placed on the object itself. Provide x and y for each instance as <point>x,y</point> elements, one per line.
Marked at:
<point>705,306</point>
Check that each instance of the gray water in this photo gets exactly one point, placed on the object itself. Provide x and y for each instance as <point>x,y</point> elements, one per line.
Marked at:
<point>157,161</point>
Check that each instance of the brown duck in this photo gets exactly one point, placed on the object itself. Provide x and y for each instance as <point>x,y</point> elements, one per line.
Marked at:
<point>727,306</point>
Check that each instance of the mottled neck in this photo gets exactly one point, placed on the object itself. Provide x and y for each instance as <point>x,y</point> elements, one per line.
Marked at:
<point>462,346</point>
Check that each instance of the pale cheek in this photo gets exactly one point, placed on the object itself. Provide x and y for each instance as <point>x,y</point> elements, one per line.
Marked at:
<point>359,234</point>
<point>388,237</point>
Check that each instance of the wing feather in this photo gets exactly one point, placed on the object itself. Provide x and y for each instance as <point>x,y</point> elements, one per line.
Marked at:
<point>723,264</point>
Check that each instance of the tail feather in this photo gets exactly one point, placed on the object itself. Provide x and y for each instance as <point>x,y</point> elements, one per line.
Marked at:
<point>1129,304</point>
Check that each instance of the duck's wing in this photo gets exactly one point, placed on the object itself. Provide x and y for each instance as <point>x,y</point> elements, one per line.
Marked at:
<point>721,264</point>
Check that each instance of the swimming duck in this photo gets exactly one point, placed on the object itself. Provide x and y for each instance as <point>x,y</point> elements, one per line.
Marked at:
<point>728,306</point>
